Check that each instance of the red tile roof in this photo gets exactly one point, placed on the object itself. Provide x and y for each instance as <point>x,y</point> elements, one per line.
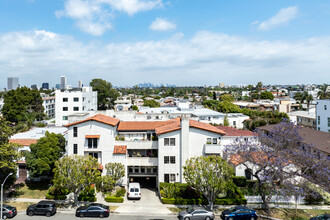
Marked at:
<point>120,149</point>
<point>257,157</point>
<point>92,136</point>
<point>234,132</point>
<point>99,118</point>
<point>143,125</point>
<point>205,126</point>
<point>23,142</point>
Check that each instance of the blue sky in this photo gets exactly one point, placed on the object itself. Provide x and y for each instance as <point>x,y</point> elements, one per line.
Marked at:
<point>182,42</point>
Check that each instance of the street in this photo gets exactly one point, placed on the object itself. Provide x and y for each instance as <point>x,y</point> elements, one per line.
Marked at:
<point>69,216</point>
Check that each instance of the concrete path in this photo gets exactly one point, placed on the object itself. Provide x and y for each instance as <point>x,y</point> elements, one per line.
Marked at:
<point>148,204</point>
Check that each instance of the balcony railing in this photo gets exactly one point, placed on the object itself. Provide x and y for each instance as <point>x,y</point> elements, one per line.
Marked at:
<point>142,161</point>
<point>213,149</point>
<point>138,144</point>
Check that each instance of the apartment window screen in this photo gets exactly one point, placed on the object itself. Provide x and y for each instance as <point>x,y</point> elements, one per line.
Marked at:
<point>166,159</point>
<point>75,108</point>
<point>75,148</point>
<point>169,141</point>
<point>92,142</point>
<point>65,109</point>
<point>76,99</point>
<point>75,131</point>
<point>172,159</point>
<point>172,177</point>
<point>65,99</point>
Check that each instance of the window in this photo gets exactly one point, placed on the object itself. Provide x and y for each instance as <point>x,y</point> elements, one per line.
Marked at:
<point>92,142</point>
<point>246,139</point>
<point>211,141</point>
<point>65,109</point>
<point>172,177</point>
<point>172,159</point>
<point>142,170</point>
<point>65,118</point>
<point>215,141</point>
<point>328,122</point>
<point>234,123</point>
<point>155,170</point>
<point>75,148</point>
<point>325,107</point>
<point>76,99</point>
<point>65,99</point>
<point>166,178</point>
<point>169,141</point>
<point>208,140</point>
<point>95,155</point>
<point>75,108</point>
<point>136,170</point>
<point>75,131</point>
<point>166,159</point>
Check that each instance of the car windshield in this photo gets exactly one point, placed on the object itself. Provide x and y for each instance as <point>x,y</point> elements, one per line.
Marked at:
<point>233,209</point>
<point>9,207</point>
<point>190,210</point>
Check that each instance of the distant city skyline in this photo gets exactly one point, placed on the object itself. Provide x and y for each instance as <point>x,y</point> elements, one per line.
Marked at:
<point>165,42</point>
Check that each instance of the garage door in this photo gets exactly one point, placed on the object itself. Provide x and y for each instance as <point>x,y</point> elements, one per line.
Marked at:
<point>145,182</point>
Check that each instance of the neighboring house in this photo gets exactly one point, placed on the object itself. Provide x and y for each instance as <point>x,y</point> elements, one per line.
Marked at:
<point>123,103</point>
<point>304,118</point>
<point>138,102</point>
<point>314,141</point>
<point>73,101</point>
<point>323,115</point>
<point>25,139</point>
<point>49,106</point>
<point>152,151</point>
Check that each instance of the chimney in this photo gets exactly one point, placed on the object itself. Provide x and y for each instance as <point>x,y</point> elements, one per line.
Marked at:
<point>184,148</point>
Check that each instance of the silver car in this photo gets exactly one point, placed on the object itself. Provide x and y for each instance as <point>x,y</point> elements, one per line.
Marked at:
<point>196,213</point>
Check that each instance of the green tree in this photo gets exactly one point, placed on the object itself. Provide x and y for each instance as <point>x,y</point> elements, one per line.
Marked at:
<point>76,173</point>
<point>106,95</point>
<point>225,121</point>
<point>8,153</point>
<point>23,105</point>
<point>210,176</point>
<point>323,93</point>
<point>151,103</point>
<point>259,85</point>
<point>134,107</point>
<point>114,172</point>
<point>309,98</point>
<point>228,107</point>
<point>267,95</point>
<point>227,98</point>
<point>40,161</point>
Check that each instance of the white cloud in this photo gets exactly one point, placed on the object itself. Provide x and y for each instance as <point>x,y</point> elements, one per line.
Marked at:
<point>94,16</point>
<point>205,59</point>
<point>282,17</point>
<point>161,24</point>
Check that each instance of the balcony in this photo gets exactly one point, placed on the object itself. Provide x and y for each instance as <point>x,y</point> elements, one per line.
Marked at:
<point>142,161</point>
<point>138,144</point>
<point>213,149</point>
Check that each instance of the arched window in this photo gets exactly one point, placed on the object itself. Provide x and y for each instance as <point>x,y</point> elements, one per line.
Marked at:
<point>248,174</point>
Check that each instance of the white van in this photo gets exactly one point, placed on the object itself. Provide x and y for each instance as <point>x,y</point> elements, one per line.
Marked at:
<point>134,191</point>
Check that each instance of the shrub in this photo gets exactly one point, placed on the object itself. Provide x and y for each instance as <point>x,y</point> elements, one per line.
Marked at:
<point>233,201</point>
<point>239,181</point>
<point>57,193</point>
<point>313,197</point>
<point>55,197</point>
<point>120,192</point>
<point>114,199</point>
<point>40,124</point>
<point>87,195</point>
<point>181,201</point>
<point>120,138</point>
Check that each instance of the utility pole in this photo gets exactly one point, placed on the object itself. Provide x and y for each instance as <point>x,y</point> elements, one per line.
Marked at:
<point>3,183</point>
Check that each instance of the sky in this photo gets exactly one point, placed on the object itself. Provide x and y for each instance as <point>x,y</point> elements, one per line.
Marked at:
<point>180,42</point>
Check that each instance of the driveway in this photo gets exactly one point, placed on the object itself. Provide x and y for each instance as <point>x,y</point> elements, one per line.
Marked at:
<point>148,204</point>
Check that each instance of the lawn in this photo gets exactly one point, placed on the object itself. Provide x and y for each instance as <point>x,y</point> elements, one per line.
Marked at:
<point>32,191</point>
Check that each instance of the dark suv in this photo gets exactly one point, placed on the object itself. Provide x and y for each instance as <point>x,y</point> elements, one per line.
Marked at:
<point>8,211</point>
<point>47,208</point>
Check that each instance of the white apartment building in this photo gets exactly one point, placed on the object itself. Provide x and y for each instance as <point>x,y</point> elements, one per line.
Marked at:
<point>323,115</point>
<point>152,151</point>
<point>70,102</point>
<point>49,106</point>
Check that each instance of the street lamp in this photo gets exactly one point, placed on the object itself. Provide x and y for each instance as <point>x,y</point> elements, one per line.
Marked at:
<point>3,183</point>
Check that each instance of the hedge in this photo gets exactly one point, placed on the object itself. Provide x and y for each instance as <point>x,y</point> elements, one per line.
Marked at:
<point>180,201</point>
<point>239,181</point>
<point>114,199</point>
<point>55,197</point>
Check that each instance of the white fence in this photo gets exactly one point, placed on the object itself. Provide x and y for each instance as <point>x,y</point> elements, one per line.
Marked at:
<point>275,199</point>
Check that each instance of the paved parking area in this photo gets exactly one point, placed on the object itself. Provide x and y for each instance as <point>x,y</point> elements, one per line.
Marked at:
<point>149,203</point>
<point>70,216</point>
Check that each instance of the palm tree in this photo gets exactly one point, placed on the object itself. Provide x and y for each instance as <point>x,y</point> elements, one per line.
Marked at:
<point>259,85</point>
<point>309,98</point>
<point>323,94</point>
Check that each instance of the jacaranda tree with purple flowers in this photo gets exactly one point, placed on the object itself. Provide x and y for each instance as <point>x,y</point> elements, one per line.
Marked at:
<point>279,156</point>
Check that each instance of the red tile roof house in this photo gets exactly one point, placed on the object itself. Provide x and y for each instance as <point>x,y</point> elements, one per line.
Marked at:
<point>152,151</point>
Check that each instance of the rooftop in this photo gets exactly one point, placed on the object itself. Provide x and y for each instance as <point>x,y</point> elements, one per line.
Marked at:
<point>99,118</point>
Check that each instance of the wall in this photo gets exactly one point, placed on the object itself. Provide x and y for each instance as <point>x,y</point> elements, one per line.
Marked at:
<point>322,115</point>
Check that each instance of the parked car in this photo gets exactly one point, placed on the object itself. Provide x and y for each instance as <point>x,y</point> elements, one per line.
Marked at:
<point>197,213</point>
<point>45,207</point>
<point>8,211</point>
<point>93,210</point>
<point>134,191</point>
<point>239,212</point>
<point>321,217</point>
